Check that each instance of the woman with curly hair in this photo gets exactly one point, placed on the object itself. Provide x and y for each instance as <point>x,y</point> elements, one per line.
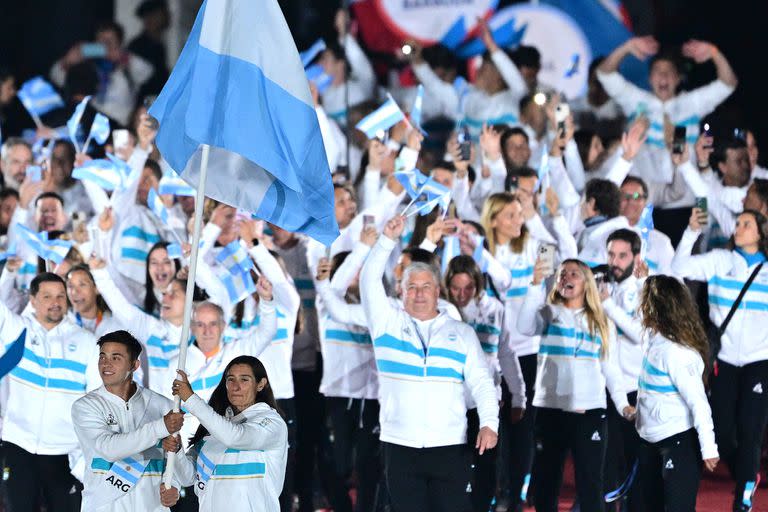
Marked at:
<point>674,420</point>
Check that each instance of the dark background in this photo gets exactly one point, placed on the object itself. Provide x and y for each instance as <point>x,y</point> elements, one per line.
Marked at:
<point>34,33</point>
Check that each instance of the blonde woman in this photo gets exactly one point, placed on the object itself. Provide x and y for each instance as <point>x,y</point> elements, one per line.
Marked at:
<point>574,367</point>
<point>673,415</point>
<point>509,262</point>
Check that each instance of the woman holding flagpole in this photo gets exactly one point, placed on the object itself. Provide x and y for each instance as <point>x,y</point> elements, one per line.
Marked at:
<point>238,455</point>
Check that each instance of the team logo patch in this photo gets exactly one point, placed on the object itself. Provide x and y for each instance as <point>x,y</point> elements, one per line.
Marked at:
<point>111,419</point>
<point>72,347</point>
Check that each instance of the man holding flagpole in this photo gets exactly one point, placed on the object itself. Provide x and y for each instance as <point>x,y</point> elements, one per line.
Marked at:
<point>238,104</point>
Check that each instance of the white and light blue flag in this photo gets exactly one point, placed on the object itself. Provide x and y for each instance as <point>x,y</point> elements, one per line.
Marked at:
<point>307,56</point>
<point>73,124</point>
<point>157,206</point>
<point>383,118</point>
<point>235,258</point>
<point>39,97</point>
<point>99,129</point>
<point>239,87</point>
<point>54,250</point>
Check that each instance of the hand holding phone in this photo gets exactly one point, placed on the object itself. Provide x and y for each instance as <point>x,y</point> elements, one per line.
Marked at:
<point>547,256</point>
<point>93,50</point>
<point>465,144</point>
<point>678,140</point>
<point>701,205</point>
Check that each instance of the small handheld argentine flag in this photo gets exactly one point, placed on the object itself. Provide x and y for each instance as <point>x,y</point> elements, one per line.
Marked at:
<point>383,118</point>
<point>431,194</point>
<point>309,55</point>
<point>411,181</point>
<point>39,97</point>
<point>99,129</point>
<point>110,174</point>
<point>174,251</point>
<point>73,124</point>
<point>319,77</point>
<point>645,223</point>
<point>238,285</point>
<point>171,183</point>
<point>416,109</point>
<point>9,252</point>
<point>451,249</point>
<point>54,250</point>
<point>157,206</point>
<point>235,258</point>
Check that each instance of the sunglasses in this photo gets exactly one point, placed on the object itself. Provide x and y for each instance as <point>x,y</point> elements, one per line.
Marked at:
<point>635,196</point>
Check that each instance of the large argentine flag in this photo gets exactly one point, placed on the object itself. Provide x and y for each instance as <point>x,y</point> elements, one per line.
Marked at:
<point>240,87</point>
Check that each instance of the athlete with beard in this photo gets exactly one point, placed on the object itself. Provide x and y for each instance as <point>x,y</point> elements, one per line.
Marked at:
<point>59,364</point>
<point>620,294</point>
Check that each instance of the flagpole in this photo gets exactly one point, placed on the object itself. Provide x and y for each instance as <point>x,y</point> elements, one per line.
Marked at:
<point>87,142</point>
<point>199,200</point>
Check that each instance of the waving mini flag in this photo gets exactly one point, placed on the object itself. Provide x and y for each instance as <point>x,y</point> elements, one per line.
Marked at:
<point>39,97</point>
<point>645,223</point>
<point>174,251</point>
<point>239,285</point>
<point>157,206</point>
<point>110,173</point>
<point>416,109</point>
<point>235,258</point>
<point>171,183</point>
<point>431,194</point>
<point>451,249</point>
<point>319,77</point>
<point>54,250</point>
<point>99,129</point>
<point>73,124</point>
<point>383,118</point>
<point>309,55</point>
<point>9,252</point>
<point>411,181</point>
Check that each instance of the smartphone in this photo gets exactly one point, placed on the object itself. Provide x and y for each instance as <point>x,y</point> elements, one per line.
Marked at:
<point>562,111</point>
<point>678,140</point>
<point>465,143</point>
<point>547,255</point>
<point>701,204</point>
<point>368,221</point>
<point>34,173</point>
<point>93,50</point>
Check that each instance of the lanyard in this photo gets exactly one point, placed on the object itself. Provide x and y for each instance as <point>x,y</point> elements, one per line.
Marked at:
<point>79,319</point>
<point>424,345</point>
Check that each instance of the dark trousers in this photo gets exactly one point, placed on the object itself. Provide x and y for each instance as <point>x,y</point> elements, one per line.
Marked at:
<point>620,455</point>
<point>311,434</point>
<point>286,496</point>
<point>559,432</point>
<point>483,477</point>
<point>427,479</point>
<point>29,474</point>
<point>739,399</point>
<point>519,437</point>
<point>355,448</point>
<point>670,471</point>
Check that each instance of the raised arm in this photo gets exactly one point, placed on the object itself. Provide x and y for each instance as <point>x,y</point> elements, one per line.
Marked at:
<point>640,47</point>
<point>700,267</point>
<point>141,324</point>
<point>372,294</point>
<point>702,51</point>
<point>532,319</point>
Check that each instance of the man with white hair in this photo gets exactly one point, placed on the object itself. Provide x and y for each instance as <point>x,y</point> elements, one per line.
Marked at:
<point>15,156</point>
<point>425,361</point>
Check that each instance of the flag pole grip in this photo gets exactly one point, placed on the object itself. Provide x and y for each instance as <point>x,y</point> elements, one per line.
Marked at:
<point>199,200</point>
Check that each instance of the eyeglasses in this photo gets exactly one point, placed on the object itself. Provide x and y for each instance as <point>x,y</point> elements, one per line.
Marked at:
<point>634,196</point>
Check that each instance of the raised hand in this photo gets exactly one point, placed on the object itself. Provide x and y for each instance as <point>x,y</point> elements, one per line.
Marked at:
<point>394,228</point>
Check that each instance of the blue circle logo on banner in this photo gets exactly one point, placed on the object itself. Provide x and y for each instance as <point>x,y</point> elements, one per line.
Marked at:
<point>433,21</point>
<point>565,58</point>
